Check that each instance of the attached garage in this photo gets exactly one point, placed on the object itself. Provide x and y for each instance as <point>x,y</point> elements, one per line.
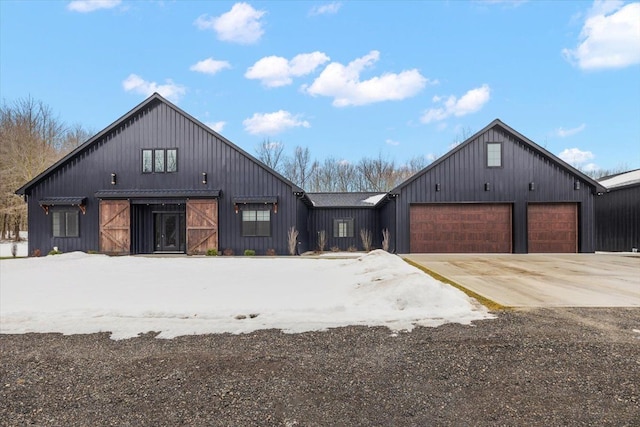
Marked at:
<point>552,227</point>
<point>461,228</point>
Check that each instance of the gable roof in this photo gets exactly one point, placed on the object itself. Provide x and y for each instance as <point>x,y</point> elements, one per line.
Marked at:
<point>151,100</point>
<point>346,200</point>
<point>625,179</point>
<point>599,188</point>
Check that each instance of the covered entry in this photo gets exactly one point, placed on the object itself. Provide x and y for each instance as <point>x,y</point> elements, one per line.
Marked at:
<point>552,227</point>
<point>136,222</point>
<point>461,228</point>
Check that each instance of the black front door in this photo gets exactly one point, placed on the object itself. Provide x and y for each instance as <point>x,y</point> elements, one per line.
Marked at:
<point>170,232</point>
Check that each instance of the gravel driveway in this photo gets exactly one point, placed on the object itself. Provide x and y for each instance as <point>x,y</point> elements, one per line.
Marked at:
<point>538,367</point>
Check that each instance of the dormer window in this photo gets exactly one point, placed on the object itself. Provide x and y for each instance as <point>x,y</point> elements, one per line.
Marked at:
<point>494,154</point>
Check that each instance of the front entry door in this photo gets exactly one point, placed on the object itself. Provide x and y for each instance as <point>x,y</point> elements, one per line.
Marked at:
<point>170,231</point>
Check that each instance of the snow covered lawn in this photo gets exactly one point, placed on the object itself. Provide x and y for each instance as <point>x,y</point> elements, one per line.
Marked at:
<point>78,293</point>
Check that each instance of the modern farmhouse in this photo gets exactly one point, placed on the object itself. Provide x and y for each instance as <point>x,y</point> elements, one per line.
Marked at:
<point>158,180</point>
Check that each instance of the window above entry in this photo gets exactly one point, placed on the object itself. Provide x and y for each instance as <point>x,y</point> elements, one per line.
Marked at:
<point>160,160</point>
<point>494,154</point>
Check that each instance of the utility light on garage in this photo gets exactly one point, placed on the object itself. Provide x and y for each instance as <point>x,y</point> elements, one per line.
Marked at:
<point>532,186</point>
<point>487,186</point>
<point>576,185</point>
<point>438,187</point>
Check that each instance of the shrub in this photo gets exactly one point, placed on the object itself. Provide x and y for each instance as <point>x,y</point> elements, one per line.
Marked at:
<point>249,252</point>
<point>322,240</point>
<point>335,249</point>
<point>385,239</point>
<point>36,253</point>
<point>228,252</point>
<point>14,249</point>
<point>352,249</point>
<point>212,252</point>
<point>92,252</point>
<point>271,252</point>
<point>54,252</point>
<point>365,236</point>
<point>292,240</point>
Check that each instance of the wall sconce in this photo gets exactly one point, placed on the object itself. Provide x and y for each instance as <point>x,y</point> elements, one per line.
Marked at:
<point>204,177</point>
<point>576,185</point>
<point>113,179</point>
<point>438,187</point>
<point>532,186</point>
<point>487,186</point>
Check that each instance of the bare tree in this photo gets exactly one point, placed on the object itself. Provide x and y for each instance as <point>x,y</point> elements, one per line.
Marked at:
<point>299,168</point>
<point>377,174</point>
<point>270,153</point>
<point>31,139</point>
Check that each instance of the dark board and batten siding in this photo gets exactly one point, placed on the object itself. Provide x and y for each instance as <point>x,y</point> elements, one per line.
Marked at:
<point>618,220</point>
<point>363,218</point>
<point>461,178</point>
<point>157,124</point>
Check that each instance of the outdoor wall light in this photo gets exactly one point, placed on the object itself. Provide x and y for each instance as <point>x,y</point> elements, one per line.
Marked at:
<point>576,185</point>
<point>438,187</point>
<point>113,179</point>
<point>204,177</point>
<point>532,186</point>
<point>487,186</point>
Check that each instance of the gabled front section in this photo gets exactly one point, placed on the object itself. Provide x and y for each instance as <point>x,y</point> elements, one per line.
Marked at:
<point>497,192</point>
<point>159,181</point>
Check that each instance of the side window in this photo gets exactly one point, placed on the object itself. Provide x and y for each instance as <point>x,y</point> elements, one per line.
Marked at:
<point>256,223</point>
<point>158,160</point>
<point>147,161</point>
<point>65,223</point>
<point>172,160</point>
<point>343,227</point>
<point>494,154</point>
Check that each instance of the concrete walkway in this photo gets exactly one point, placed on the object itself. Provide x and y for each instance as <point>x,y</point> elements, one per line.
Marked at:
<point>543,280</point>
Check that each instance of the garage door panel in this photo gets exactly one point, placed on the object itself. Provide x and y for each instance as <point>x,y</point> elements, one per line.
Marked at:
<point>552,227</point>
<point>460,228</point>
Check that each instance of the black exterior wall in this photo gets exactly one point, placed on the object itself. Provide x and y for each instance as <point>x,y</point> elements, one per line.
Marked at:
<point>618,219</point>
<point>461,175</point>
<point>363,219</point>
<point>156,123</point>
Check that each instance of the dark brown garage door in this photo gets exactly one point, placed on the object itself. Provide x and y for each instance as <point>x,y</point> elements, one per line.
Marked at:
<point>460,228</point>
<point>552,227</point>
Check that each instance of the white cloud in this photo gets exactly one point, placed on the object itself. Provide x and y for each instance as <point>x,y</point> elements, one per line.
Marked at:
<point>470,102</point>
<point>85,6</point>
<point>563,133</point>
<point>169,90</point>
<point>272,123</point>
<point>610,37</point>
<point>392,142</point>
<point>326,9</point>
<point>344,85</point>
<point>275,71</point>
<point>576,157</point>
<point>209,66</point>
<point>242,24</point>
<point>217,126</point>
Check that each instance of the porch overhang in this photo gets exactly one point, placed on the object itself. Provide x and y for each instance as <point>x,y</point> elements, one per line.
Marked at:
<point>255,200</point>
<point>155,195</point>
<point>78,201</point>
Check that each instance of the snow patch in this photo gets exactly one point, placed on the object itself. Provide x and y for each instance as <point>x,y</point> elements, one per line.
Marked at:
<point>373,200</point>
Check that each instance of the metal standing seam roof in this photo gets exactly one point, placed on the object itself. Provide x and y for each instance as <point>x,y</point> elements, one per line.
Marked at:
<point>621,180</point>
<point>178,194</point>
<point>63,201</point>
<point>346,200</point>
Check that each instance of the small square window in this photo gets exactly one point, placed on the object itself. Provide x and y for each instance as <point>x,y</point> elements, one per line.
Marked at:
<point>256,223</point>
<point>65,223</point>
<point>494,155</point>
<point>343,227</point>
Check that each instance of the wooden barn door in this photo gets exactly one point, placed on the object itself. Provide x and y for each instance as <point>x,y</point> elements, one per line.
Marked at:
<point>202,226</point>
<point>115,227</point>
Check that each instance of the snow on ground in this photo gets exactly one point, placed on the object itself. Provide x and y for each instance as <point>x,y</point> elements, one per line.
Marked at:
<point>5,249</point>
<point>77,293</point>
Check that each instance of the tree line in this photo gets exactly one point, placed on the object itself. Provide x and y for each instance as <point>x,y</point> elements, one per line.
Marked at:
<point>334,175</point>
<point>32,138</point>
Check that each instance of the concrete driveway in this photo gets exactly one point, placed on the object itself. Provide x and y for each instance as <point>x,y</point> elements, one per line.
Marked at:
<point>543,280</point>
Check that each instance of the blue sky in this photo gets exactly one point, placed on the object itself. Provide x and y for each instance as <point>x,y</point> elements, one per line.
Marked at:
<point>345,79</point>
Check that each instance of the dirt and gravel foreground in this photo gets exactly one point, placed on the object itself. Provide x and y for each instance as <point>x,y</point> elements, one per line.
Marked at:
<point>536,368</point>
